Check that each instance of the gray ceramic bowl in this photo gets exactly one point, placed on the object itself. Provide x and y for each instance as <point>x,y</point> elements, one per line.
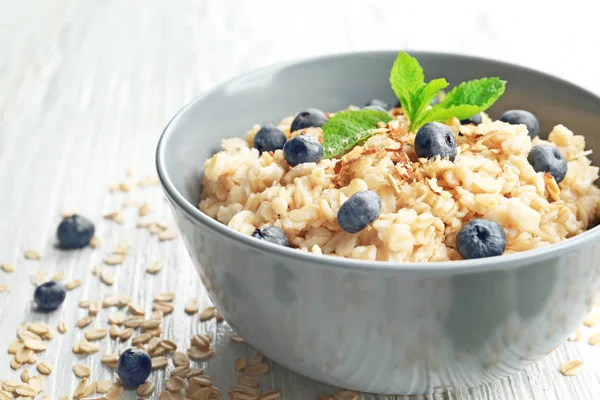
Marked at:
<point>373,326</point>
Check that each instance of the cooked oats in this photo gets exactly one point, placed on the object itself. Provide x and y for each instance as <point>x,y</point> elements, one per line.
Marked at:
<point>571,368</point>
<point>424,203</point>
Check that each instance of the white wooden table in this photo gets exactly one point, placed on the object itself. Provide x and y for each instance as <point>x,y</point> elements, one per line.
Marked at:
<point>87,86</point>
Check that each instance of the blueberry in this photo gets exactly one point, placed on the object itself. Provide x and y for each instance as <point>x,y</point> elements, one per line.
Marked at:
<point>480,238</point>
<point>475,120</point>
<point>359,211</point>
<point>271,234</point>
<point>546,158</point>
<point>517,117</point>
<point>75,232</point>
<point>375,108</point>
<point>302,149</point>
<point>398,104</point>
<point>50,295</point>
<point>379,103</point>
<point>269,138</point>
<point>435,139</point>
<point>134,367</point>
<point>311,117</point>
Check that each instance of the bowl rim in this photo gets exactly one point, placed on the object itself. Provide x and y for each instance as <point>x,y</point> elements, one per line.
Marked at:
<point>480,265</point>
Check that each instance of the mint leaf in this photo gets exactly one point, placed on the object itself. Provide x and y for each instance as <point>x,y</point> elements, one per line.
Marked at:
<point>423,98</point>
<point>406,78</point>
<point>347,128</point>
<point>465,100</point>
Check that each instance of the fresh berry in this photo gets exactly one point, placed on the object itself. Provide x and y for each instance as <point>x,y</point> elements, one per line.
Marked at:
<point>359,211</point>
<point>480,238</point>
<point>50,295</point>
<point>475,120</point>
<point>271,234</point>
<point>311,117</point>
<point>134,367</point>
<point>377,102</point>
<point>75,232</point>
<point>435,139</point>
<point>375,108</point>
<point>302,149</point>
<point>546,158</point>
<point>269,138</point>
<point>518,117</point>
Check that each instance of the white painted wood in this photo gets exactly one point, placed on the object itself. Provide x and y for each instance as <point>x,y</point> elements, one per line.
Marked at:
<point>87,86</point>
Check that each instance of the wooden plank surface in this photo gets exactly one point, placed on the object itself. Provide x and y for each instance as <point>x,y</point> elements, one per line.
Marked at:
<point>87,86</point>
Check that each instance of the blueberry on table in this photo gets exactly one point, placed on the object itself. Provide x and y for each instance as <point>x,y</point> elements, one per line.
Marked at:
<point>475,120</point>
<point>375,108</point>
<point>134,367</point>
<point>302,149</point>
<point>311,117</point>
<point>518,117</point>
<point>435,139</point>
<point>50,295</point>
<point>269,138</point>
<point>75,232</point>
<point>378,103</point>
<point>271,234</point>
<point>359,211</point>
<point>480,238</point>
<point>546,158</point>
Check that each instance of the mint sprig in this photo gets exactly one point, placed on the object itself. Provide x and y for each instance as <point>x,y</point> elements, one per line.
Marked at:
<point>348,128</point>
<point>464,101</point>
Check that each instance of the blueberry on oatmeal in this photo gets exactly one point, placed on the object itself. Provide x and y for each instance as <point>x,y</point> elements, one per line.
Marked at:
<point>271,234</point>
<point>475,120</point>
<point>359,211</point>
<point>302,149</point>
<point>75,232</point>
<point>435,139</point>
<point>377,102</point>
<point>480,238</point>
<point>50,295</point>
<point>308,118</point>
<point>518,117</point>
<point>269,138</point>
<point>134,367</point>
<point>547,158</point>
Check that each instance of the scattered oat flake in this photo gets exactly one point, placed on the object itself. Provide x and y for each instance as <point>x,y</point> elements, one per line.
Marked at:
<point>126,334</point>
<point>159,362</point>
<point>592,320</point>
<point>81,370</point>
<point>164,396</point>
<point>144,209</point>
<point>8,267</point>
<point>196,354</point>
<point>44,369</point>
<point>145,389</point>
<point>163,306</point>
<point>107,278</point>
<point>94,242</point>
<point>95,333</point>
<point>181,359</point>
<point>25,376</point>
<point>256,369</point>
<point>168,345</point>
<point>26,390</point>
<point>35,345</point>
<point>103,386</point>
<point>180,371</point>
<point>116,318</point>
<point>114,259</point>
<point>270,394</point>
<point>174,384</point>
<point>240,363</point>
<point>115,392</point>
<point>167,234</point>
<point>195,372</point>
<point>110,360</point>
<point>165,296</point>
<point>571,368</point>
<point>58,276</point>
<point>73,284</point>
<point>85,321</point>
<point>155,267</point>
<point>237,338</point>
<point>243,393</point>
<point>207,313</point>
<point>575,336</point>
<point>247,381</point>
<point>3,287</point>
<point>61,327</point>
<point>594,340</point>
<point>191,306</point>
<point>255,358</point>
<point>94,308</point>
<point>32,255</point>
